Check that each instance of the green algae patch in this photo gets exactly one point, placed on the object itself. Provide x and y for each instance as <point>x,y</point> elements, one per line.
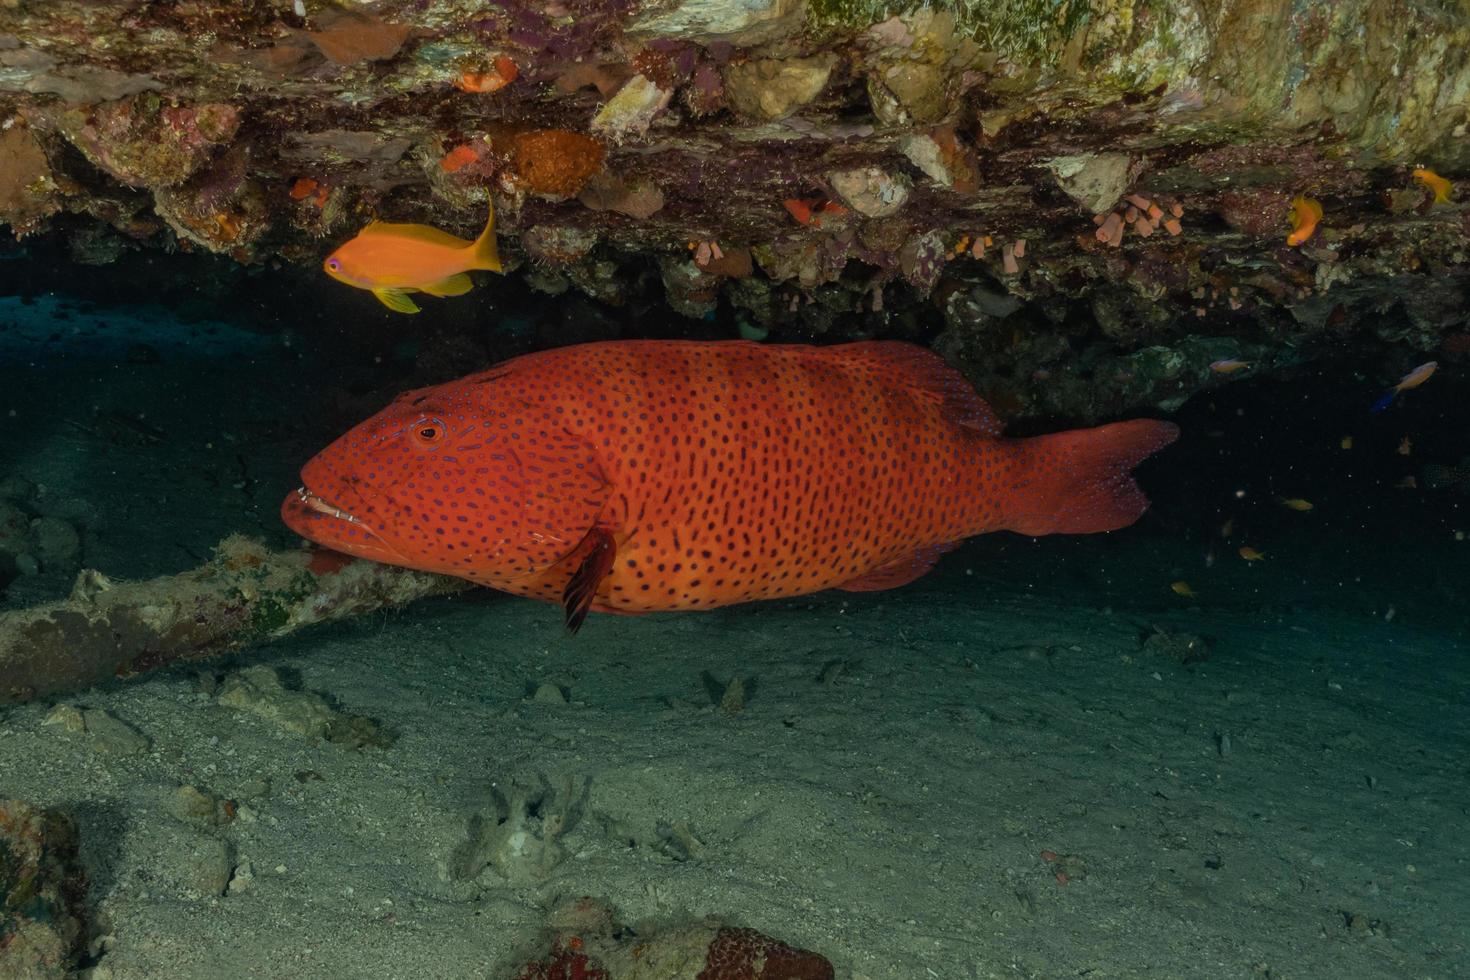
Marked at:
<point>1013,29</point>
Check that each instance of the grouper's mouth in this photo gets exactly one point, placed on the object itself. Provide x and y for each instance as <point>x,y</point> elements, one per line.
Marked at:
<point>324,522</point>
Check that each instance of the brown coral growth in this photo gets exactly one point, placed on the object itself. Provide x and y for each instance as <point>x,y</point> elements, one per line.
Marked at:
<point>557,162</point>
<point>27,191</point>
<point>346,37</point>
<point>744,954</point>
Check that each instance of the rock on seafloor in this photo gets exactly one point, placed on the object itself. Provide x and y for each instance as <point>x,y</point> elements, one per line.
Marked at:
<point>586,941</point>
<point>42,893</point>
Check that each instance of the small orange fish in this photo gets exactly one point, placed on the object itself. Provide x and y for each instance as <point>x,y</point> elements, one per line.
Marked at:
<point>393,260</point>
<point>1305,213</point>
<point>1413,379</point>
<point>1181,587</point>
<point>1347,442</point>
<point>1436,183</point>
<point>1296,503</point>
<point>1251,554</point>
<point>1228,366</point>
<point>504,72</point>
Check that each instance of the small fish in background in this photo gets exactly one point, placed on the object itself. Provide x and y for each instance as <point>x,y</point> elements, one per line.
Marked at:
<point>1181,587</point>
<point>1443,476</point>
<point>1251,554</point>
<point>1228,366</point>
<point>1305,213</point>
<point>1406,446</point>
<point>1439,185</point>
<point>1407,483</point>
<point>1412,380</point>
<point>1296,504</point>
<point>1347,442</point>
<point>1228,528</point>
<point>393,260</point>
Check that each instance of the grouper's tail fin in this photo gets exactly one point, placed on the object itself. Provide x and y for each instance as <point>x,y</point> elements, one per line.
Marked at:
<point>486,252</point>
<point>1078,482</point>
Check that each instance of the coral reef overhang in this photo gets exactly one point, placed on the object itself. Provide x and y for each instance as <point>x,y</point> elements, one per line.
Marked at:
<point>1083,205</point>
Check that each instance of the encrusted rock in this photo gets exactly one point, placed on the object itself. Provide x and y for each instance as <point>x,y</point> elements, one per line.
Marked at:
<point>922,259</point>
<point>738,22</point>
<point>27,189</point>
<point>630,112</point>
<point>259,691</point>
<point>221,209</point>
<point>918,59</point>
<point>687,289</point>
<point>557,244</point>
<point>26,69</point>
<point>774,89</point>
<point>1096,181</point>
<point>42,893</point>
<point>636,198</point>
<point>113,736</point>
<point>146,141</point>
<point>942,158</point>
<point>908,93</point>
<point>340,145</point>
<point>871,191</point>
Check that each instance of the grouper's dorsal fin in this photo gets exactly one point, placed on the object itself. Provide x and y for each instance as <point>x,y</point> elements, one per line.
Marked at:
<point>921,370</point>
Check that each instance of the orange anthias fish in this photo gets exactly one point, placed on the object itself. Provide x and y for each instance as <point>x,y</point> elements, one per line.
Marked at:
<point>1305,213</point>
<point>1439,185</point>
<point>637,476</point>
<point>393,260</point>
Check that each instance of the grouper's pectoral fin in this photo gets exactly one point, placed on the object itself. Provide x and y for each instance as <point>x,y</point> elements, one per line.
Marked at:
<point>598,551</point>
<point>396,299</point>
<point>456,285</point>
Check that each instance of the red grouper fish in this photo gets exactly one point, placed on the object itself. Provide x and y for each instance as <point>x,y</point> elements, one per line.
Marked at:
<point>637,476</point>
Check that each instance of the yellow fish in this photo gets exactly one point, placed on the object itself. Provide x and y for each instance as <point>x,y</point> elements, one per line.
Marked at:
<point>1296,503</point>
<point>1305,213</point>
<point>1436,183</point>
<point>1251,554</point>
<point>1182,588</point>
<point>392,260</point>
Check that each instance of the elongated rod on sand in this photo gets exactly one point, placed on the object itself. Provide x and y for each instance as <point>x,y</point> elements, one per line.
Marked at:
<point>246,595</point>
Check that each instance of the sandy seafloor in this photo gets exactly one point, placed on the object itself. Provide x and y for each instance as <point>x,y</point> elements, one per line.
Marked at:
<point>1294,804</point>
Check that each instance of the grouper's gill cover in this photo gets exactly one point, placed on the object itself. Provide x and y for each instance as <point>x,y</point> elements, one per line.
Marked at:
<point>637,476</point>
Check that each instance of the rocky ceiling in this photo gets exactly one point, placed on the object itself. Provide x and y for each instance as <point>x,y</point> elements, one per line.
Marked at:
<point>1094,194</point>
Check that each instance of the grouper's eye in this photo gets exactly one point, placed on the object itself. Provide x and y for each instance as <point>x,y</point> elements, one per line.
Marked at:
<point>427,433</point>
